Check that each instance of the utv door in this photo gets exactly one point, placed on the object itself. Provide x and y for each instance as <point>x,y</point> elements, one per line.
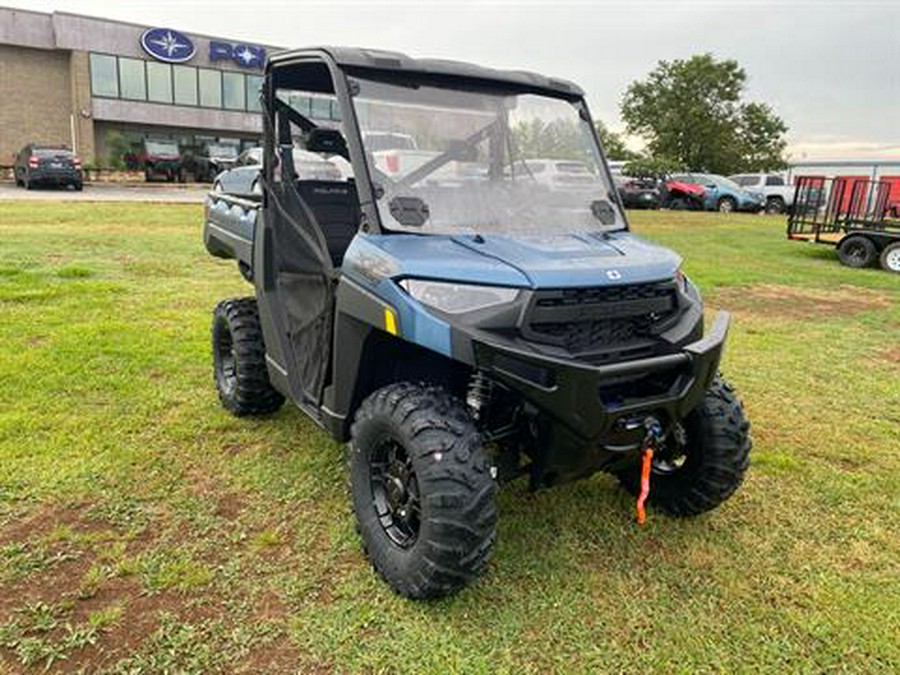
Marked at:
<point>295,290</point>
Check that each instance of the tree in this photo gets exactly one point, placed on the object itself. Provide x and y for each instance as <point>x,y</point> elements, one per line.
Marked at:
<point>691,111</point>
<point>557,139</point>
<point>613,144</point>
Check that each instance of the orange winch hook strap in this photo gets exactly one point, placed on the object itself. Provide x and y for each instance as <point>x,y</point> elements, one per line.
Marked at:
<point>646,464</point>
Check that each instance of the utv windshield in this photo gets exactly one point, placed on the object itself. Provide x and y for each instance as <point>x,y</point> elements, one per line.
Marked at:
<point>478,160</point>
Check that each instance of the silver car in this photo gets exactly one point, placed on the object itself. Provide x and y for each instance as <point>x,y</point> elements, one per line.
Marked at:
<point>242,179</point>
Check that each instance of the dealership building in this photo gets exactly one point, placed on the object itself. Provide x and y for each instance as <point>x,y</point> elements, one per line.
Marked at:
<point>94,85</point>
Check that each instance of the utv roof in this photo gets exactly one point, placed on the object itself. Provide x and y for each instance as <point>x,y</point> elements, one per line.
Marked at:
<point>386,61</point>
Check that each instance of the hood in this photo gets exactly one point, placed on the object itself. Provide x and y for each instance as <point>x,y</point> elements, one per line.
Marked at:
<point>558,261</point>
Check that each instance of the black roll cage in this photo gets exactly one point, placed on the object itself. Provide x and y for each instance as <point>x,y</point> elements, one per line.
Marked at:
<point>391,68</point>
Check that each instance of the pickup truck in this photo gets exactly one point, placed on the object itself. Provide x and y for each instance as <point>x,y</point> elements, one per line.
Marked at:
<point>398,154</point>
<point>779,193</point>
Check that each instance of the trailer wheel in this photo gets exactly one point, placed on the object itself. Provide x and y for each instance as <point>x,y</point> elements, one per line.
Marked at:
<point>726,205</point>
<point>423,490</point>
<point>239,360</point>
<point>890,257</point>
<point>703,460</point>
<point>857,251</point>
<point>774,205</point>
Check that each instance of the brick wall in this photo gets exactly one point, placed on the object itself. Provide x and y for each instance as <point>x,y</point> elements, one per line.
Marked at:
<point>80,80</point>
<point>35,99</point>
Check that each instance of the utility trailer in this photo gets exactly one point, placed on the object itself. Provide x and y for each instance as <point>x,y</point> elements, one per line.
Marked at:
<point>852,214</point>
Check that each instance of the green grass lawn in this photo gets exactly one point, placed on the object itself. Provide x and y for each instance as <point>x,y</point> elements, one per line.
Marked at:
<point>144,530</point>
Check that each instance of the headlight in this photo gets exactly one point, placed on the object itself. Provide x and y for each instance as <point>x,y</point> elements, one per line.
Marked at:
<point>457,298</point>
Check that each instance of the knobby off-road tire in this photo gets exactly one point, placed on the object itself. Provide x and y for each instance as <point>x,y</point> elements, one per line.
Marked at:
<point>716,457</point>
<point>423,490</point>
<point>239,360</point>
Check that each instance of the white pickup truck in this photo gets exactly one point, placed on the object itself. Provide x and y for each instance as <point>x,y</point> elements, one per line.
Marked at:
<point>398,154</point>
<point>779,193</point>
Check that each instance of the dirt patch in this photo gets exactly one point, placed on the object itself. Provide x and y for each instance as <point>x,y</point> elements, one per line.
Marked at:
<point>47,518</point>
<point>229,506</point>
<point>792,303</point>
<point>891,355</point>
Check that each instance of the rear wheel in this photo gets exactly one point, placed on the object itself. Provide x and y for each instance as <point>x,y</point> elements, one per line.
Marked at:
<point>890,257</point>
<point>703,460</point>
<point>857,251</point>
<point>239,360</point>
<point>423,490</point>
<point>726,205</point>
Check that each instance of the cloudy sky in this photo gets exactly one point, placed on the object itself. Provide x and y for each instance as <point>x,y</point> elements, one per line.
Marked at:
<point>831,69</point>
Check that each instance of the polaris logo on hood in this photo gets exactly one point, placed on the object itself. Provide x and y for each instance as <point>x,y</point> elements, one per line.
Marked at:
<point>167,45</point>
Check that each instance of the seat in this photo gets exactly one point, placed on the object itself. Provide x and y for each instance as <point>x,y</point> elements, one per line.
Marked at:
<point>335,206</point>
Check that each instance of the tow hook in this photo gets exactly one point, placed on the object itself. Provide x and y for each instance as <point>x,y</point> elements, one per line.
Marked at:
<point>651,442</point>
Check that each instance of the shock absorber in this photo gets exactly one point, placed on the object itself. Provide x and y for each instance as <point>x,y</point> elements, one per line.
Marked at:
<point>479,393</point>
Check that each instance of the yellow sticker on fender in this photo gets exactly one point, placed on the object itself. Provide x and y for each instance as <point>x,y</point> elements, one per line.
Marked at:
<point>390,321</point>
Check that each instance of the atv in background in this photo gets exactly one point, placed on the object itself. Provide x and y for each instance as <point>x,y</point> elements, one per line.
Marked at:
<point>210,160</point>
<point>157,158</point>
<point>681,196</point>
<point>463,329</point>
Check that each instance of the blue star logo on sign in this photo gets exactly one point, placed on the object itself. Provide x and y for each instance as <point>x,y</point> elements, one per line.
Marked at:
<point>167,45</point>
<point>248,56</point>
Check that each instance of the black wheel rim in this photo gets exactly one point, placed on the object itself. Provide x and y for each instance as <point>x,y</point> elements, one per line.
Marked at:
<point>856,252</point>
<point>395,492</point>
<point>673,454</point>
<point>226,372</point>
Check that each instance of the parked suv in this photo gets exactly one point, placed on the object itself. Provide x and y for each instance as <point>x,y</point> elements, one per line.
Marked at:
<point>723,194</point>
<point>778,192</point>
<point>48,165</point>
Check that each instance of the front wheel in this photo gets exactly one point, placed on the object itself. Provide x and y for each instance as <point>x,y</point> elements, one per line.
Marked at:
<point>857,251</point>
<point>423,490</point>
<point>775,206</point>
<point>703,459</point>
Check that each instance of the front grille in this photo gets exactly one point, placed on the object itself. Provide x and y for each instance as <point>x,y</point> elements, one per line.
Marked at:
<point>582,296</point>
<point>604,319</point>
<point>580,336</point>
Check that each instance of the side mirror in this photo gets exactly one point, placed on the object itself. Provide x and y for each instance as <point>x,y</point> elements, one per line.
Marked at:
<point>711,186</point>
<point>327,141</point>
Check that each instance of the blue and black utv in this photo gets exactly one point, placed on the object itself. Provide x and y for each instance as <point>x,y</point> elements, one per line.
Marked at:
<point>444,277</point>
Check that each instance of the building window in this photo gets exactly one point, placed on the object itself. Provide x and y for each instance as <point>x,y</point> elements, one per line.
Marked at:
<point>321,108</point>
<point>254,88</point>
<point>104,75</point>
<point>210,88</point>
<point>132,80</point>
<point>234,92</point>
<point>159,82</point>
<point>185,79</point>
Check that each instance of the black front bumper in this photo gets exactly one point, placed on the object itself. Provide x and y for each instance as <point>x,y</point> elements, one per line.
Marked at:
<point>594,413</point>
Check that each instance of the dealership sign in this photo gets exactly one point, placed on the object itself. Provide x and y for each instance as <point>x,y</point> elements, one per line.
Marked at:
<point>167,45</point>
<point>248,56</point>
